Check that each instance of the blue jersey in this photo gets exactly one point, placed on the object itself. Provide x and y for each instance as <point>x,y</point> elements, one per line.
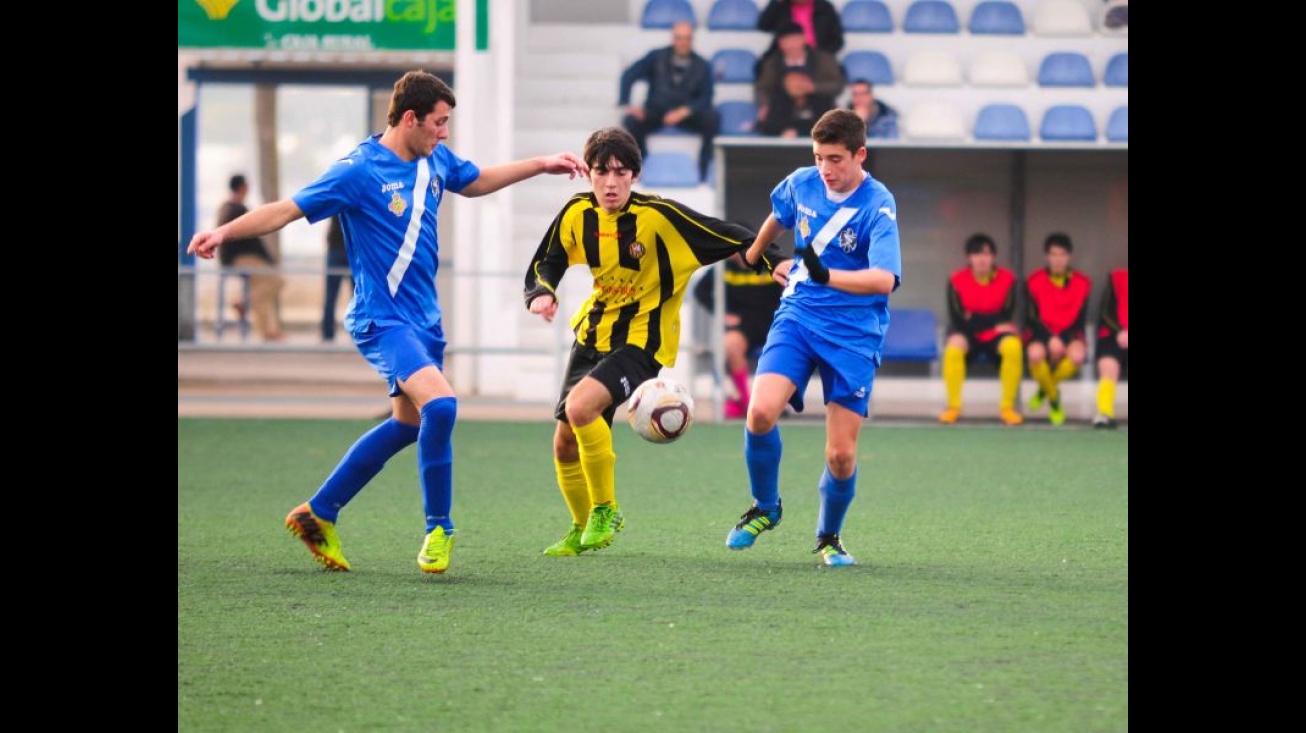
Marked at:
<point>858,233</point>
<point>387,208</point>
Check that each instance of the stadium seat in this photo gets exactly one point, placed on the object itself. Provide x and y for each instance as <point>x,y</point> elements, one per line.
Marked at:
<point>913,335</point>
<point>1062,18</point>
<point>737,117</point>
<point>733,66</point>
<point>669,169</point>
<point>866,16</point>
<point>1117,126</point>
<point>931,16</point>
<point>932,69</point>
<point>1065,69</point>
<point>1001,121</point>
<point>997,17</point>
<point>732,15</point>
<point>934,121</point>
<point>666,13</point>
<point>1117,71</point>
<point>998,69</point>
<point>872,66</point>
<point>1068,122</point>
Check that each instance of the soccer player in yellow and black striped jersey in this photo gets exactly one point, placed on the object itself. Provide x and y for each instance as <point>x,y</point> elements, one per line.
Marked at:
<point>642,250</point>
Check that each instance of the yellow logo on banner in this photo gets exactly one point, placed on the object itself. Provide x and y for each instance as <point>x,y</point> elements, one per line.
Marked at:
<point>217,9</point>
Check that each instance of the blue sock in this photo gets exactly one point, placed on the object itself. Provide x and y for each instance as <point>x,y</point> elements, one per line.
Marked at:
<point>836,496</point>
<point>435,461</point>
<point>762,454</point>
<point>361,463</point>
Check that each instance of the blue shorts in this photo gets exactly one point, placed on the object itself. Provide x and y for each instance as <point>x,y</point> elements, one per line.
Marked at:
<point>396,350</point>
<point>795,352</point>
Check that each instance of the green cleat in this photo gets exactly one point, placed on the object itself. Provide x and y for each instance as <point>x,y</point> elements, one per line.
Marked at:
<point>1056,415</point>
<point>319,535</point>
<point>1036,402</point>
<point>568,546</point>
<point>434,557</point>
<point>601,527</point>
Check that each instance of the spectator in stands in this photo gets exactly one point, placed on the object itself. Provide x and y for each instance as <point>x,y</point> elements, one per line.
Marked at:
<point>641,251</point>
<point>1112,345</point>
<point>336,259</point>
<point>251,252</point>
<point>751,301</point>
<point>680,90</point>
<point>982,321</point>
<point>387,193</point>
<point>818,19</point>
<point>881,119</point>
<point>822,69</point>
<point>1055,323</point>
<point>793,113</point>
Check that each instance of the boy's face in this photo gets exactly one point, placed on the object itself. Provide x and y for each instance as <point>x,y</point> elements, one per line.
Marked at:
<point>1058,259</point>
<point>611,182</point>
<point>981,262</point>
<point>841,169</point>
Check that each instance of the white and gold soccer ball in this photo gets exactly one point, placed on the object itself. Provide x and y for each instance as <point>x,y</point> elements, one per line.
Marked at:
<point>661,410</point>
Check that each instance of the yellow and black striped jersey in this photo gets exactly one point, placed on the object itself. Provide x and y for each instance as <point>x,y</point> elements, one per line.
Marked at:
<point>641,258</point>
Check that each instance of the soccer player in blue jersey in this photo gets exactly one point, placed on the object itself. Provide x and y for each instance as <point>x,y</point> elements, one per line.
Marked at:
<point>832,319</point>
<point>386,193</point>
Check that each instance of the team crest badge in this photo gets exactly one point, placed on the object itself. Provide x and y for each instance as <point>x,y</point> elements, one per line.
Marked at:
<point>804,228</point>
<point>397,204</point>
<point>436,183</point>
<point>636,250</point>
<point>847,240</point>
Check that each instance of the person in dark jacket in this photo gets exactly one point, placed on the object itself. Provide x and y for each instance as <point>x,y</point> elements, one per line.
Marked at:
<point>819,20</point>
<point>680,90</point>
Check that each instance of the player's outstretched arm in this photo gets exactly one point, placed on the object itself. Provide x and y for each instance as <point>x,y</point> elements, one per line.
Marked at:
<point>268,218</point>
<point>495,177</point>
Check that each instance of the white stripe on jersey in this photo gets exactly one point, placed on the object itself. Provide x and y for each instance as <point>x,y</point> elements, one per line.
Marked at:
<point>405,257</point>
<point>831,229</point>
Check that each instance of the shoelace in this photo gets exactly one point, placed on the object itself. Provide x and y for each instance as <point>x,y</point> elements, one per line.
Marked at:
<point>829,546</point>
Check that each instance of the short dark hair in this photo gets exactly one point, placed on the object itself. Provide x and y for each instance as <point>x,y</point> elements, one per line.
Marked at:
<point>236,182</point>
<point>419,91</point>
<point>867,82</point>
<point>1058,239</point>
<point>842,127</point>
<point>607,143</point>
<point>980,242</point>
<point>788,28</point>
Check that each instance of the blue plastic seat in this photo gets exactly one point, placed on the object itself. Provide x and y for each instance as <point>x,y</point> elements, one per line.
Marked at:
<point>997,17</point>
<point>866,16</point>
<point>872,66</point>
<point>733,66</point>
<point>1117,71</point>
<point>1065,69</point>
<point>738,117</point>
<point>1117,126</point>
<point>669,169</point>
<point>1001,121</point>
<point>732,15</point>
<point>666,13</point>
<point>1069,123</point>
<point>931,16</point>
<point>913,335</point>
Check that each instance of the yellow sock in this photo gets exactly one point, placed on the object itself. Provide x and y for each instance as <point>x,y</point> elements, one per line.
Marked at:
<point>1106,397</point>
<point>1065,370</point>
<point>954,373</point>
<point>571,479</point>
<point>1042,374</point>
<point>1009,370</point>
<point>598,461</point>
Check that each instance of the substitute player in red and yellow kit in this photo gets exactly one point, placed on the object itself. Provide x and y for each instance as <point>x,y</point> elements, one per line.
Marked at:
<point>1054,324</point>
<point>982,320</point>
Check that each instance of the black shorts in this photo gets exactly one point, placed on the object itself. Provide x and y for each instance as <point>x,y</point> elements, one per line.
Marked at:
<point>1109,347</point>
<point>984,350</point>
<point>754,328</point>
<point>621,371</point>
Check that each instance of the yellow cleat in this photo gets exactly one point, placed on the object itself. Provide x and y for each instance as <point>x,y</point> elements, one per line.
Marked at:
<point>950,415</point>
<point>568,546</point>
<point>1011,417</point>
<point>434,557</point>
<point>1056,415</point>
<point>319,535</point>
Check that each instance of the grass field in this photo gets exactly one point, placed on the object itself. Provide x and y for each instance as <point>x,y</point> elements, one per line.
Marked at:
<point>992,592</point>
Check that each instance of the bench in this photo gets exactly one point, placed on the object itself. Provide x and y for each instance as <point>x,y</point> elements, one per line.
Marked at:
<point>913,338</point>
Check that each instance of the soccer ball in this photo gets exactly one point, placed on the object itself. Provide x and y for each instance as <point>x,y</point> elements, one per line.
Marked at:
<point>661,410</point>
